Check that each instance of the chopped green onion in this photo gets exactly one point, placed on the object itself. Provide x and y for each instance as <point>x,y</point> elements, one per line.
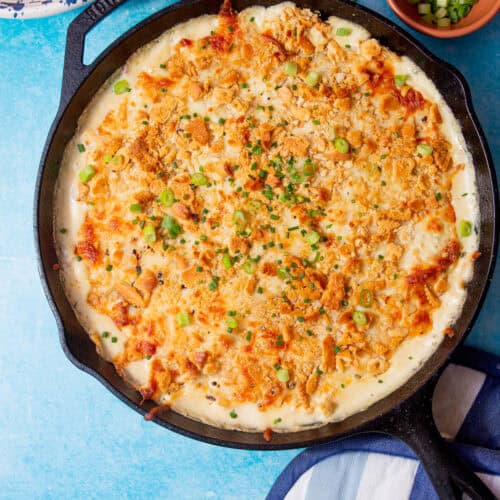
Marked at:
<point>253,205</point>
<point>400,80</point>
<point>81,148</point>
<point>167,197</point>
<point>441,12</point>
<point>291,68</point>
<point>359,317</point>
<point>232,323</point>
<point>136,208</point>
<point>239,218</point>
<point>283,375</point>
<point>227,261</point>
<point>199,179</point>
<point>343,31</point>
<point>214,284</point>
<point>183,319</point>
<point>121,86</point>
<point>366,298</point>
<point>428,18</point>
<point>424,149</point>
<point>438,196</point>
<point>249,266</point>
<point>171,225</point>
<point>149,233</point>
<point>116,160</point>
<point>309,169</point>
<point>313,237</point>
<point>86,173</point>
<point>341,145</point>
<point>312,78</point>
<point>444,22</point>
<point>233,414</point>
<point>424,8</point>
<point>465,228</point>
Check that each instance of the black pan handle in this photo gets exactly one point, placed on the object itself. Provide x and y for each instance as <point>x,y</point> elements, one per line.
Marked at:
<point>75,71</point>
<point>413,423</point>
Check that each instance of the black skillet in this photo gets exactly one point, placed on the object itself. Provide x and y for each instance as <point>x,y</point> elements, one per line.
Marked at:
<point>407,412</point>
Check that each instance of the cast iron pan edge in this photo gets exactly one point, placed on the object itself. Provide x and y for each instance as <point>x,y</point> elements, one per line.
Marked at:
<point>377,419</point>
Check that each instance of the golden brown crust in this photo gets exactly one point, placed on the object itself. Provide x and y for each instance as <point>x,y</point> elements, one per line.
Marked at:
<point>281,248</point>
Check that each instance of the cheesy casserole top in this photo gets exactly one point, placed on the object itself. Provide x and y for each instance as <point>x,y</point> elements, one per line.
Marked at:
<point>258,212</point>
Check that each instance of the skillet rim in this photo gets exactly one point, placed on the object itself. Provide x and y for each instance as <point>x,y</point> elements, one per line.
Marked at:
<point>326,433</point>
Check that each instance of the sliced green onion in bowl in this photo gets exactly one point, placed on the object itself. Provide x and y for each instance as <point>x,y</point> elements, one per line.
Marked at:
<point>465,228</point>
<point>121,86</point>
<point>183,319</point>
<point>167,197</point>
<point>86,173</point>
<point>441,12</point>
<point>136,208</point>
<point>291,68</point>
<point>445,22</point>
<point>312,78</point>
<point>424,8</point>
<point>359,317</point>
<point>199,179</point>
<point>341,145</point>
<point>428,18</point>
<point>283,375</point>
<point>424,149</point>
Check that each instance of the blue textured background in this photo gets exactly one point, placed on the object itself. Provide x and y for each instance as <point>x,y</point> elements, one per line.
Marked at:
<point>62,435</point>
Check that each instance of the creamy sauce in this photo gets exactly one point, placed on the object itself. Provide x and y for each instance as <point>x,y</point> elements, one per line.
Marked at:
<point>358,394</point>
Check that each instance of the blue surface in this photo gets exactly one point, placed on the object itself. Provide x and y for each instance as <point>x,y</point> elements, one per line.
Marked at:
<point>62,434</point>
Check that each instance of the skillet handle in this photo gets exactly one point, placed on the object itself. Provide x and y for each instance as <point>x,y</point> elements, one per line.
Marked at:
<point>75,71</point>
<point>413,423</point>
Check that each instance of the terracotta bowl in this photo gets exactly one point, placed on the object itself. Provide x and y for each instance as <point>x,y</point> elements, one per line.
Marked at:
<point>481,13</point>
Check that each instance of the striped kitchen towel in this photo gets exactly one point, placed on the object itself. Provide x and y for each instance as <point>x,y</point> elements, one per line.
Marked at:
<point>466,408</point>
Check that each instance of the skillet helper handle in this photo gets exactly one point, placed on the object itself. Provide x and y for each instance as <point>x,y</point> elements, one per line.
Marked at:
<point>413,423</point>
<point>75,71</point>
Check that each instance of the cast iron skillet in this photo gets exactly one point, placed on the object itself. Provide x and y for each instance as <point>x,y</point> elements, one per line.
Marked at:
<point>407,412</point>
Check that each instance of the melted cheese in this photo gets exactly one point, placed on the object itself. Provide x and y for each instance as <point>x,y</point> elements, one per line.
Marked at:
<point>349,391</point>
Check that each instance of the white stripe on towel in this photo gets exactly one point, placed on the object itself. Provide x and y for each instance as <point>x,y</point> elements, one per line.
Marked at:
<point>299,489</point>
<point>454,395</point>
<point>387,476</point>
<point>492,481</point>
